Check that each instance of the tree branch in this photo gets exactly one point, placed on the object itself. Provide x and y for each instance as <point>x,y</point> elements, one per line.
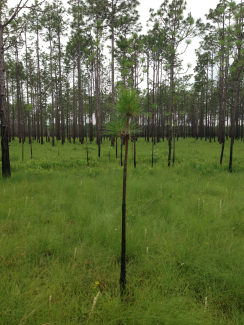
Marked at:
<point>17,10</point>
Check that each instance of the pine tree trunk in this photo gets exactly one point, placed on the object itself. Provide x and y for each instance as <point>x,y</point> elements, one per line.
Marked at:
<point>233,121</point>
<point>4,127</point>
<point>8,110</point>
<point>18,96</point>
<point>206,114</point>
<point>171,106</point>
<point>148,103</point>
<point>74,107</point>
<point>123,241</point>
<point>61,105</point>
<point>40,92</point>
<point>134,151</point>
<point>51,77</point>
<point>121,151</point>
<point>12,92</point>
<point>80,100</point>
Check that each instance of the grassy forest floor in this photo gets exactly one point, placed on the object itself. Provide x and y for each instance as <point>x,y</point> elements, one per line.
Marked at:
<point>60,234</point>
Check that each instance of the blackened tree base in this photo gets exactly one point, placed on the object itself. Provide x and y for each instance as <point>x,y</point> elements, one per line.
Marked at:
<point>5,153</point>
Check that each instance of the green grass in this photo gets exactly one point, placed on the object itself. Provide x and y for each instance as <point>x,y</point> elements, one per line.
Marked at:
<point>60,232</point>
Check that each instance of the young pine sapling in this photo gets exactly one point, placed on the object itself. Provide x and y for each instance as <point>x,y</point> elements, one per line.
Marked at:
<point>127,106</point>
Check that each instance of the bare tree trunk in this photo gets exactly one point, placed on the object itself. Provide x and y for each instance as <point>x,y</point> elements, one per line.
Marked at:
<point>12,93</point>
<point>134,151</point>
<point>51,76</point>
<point>171,105</point>
<point>97,86</point>
<point>74,107</point>
<point>148,102</point>
<point>18,96</point>
<point>80,100</point>
<point>112,66</point>
<point>233,120</point>
<point>40,92</point>
<point>8,110</point>
<point>223,114</point>
<point>123,241</point>
<point>61,105</point>
<point>3,114</point>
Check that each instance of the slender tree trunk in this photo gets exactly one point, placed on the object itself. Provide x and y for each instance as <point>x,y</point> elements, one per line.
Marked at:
<point>8,110</point>
<point>206,114</point>
<point>223,114</point>
<point>121,151</point>
<point>67,112</point>
<point>40,91</point>
<point>233,121</point>
<point>18,96</point>
<point>80,100</point>
<point>4,127</point>
<point>173,145</point>
<point>12,91</point>
<point>171,105</point>
<point>61,105</point>
<point>74,107</point>
<point>112,64</point>
<point>123,241</point>
<point>57,108</point>
<point>148,102</point>
<point>51,77</point>
<point>97,86</point>
<point>134,151</point>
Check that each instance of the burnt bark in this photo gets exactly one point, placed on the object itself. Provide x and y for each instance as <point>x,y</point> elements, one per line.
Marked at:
<point>123,240</point>
<point>6,172</point>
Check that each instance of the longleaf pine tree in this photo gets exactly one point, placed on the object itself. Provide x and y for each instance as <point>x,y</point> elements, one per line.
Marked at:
<point>127,107</point>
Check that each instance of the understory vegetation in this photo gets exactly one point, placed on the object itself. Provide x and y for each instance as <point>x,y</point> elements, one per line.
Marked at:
<point>60,236</point>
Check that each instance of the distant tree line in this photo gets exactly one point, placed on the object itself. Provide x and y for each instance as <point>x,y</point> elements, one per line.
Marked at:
<point>62,82</point>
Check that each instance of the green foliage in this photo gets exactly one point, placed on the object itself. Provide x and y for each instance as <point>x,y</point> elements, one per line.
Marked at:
<point>115,126</point>
<point>128,104</point>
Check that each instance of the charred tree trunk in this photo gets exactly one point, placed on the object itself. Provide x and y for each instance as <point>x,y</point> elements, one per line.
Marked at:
<point>3,114</point>
<point>123,241</point>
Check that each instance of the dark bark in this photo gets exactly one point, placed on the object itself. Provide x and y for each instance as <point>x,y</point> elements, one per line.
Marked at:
<point>3,114</point>
<point>74,107</point>
<point>172,59</point>
<point>148,103</point>
<point>121,151</point>
<point>134,151</point>
<point>123,240</point>
<point>80,99</point>
<point>173,145</point>
<point>18,96</point>
<point>233,121</point>
<point>61,91</point>
<point>12,111</point>
<point>8,110</point>
<point>51,76</point>
<point>222,151</point>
